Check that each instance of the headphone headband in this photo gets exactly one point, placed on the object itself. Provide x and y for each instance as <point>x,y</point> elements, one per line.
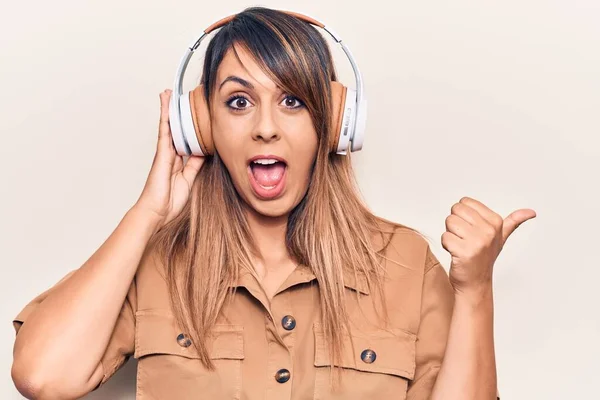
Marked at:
<point>358,120</point>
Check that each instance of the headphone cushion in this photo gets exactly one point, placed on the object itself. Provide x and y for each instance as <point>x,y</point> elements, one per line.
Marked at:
<point>338,100</point>
<point>201,118</point>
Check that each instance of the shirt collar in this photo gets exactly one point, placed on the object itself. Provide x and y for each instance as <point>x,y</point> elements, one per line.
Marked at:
<point>303,274</point>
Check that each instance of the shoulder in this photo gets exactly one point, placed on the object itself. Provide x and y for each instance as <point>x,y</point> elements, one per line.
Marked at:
<point>403,247</point>
<point>406,258</point>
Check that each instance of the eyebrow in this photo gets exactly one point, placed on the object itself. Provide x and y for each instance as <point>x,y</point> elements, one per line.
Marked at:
<point>237,79</point>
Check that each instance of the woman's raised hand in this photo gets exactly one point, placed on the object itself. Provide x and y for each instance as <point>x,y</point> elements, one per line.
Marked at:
<point>169,182</point>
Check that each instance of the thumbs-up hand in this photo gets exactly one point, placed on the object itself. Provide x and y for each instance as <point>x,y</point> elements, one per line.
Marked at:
<point>474,237</point>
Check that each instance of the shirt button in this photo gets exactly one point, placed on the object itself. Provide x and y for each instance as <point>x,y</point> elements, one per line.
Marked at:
<point>368,356</point>
<point>282,376</point>
<point>183,340</point>
<point>288,322</point>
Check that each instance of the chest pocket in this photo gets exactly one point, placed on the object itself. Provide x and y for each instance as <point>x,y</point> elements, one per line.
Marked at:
<point>375,365</point>
<point>169,366</point>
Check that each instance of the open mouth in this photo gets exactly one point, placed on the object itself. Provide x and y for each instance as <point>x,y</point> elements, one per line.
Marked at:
<point>267,175</point>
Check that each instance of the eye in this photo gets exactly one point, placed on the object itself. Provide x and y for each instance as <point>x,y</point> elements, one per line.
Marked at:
<point>290,102</point>
<point>238,102</point>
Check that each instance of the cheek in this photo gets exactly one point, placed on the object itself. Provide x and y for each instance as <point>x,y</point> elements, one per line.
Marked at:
<point>305,152</point>
<point>230,154</point>
<point>226,140</point>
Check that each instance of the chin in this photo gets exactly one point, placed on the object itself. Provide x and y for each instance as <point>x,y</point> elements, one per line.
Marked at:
<point>272,209</point>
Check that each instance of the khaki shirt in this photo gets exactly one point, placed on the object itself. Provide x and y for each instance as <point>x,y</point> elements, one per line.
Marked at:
<point>275,350</point>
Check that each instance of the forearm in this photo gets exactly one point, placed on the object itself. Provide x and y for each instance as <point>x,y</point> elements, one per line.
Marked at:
<point>468,371</point>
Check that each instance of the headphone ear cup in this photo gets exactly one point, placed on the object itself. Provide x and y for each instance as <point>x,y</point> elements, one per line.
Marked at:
<point>176,128</point>
<point>338,100</point>
<point>201,120</point>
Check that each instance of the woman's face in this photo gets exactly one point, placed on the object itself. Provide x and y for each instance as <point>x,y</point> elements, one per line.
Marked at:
<point>264,136</point>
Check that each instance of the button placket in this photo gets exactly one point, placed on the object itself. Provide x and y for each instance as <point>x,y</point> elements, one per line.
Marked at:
<point>283,312</point>
<point>280,358</point>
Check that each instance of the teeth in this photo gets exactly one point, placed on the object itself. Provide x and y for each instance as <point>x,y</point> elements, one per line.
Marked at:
<point>265,161</point>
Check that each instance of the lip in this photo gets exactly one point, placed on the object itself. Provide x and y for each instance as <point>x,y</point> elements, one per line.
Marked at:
<point>261,192</point>
<point>267,157</point>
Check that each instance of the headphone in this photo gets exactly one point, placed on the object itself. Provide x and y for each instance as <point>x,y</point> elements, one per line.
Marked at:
<point>190,121</point>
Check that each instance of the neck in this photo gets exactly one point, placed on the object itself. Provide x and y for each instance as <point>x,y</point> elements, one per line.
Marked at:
<point>269,236</point>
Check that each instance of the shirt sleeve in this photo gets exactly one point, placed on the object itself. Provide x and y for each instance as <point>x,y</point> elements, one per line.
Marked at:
<point>121,344</point>
<point>437,303</point>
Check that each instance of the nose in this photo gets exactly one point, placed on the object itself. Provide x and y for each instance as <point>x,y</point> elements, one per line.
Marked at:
<point>266,128</point>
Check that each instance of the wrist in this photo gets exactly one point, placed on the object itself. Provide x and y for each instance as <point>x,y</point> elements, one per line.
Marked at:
<point>149,218</point>
<point>476,296</point>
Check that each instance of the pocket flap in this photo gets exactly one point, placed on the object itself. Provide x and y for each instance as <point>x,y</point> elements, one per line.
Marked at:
<point>394,351</point>
<point>156,333</point>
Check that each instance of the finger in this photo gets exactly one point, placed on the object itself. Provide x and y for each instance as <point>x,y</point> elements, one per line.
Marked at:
<point>451,242</point>
<point>483,210</point>
<point>163,124</point>
<point>192,166</point>
<point>458,226</point>
<point>468,214</point>
<point>165,149</point>
<point>514,220</point>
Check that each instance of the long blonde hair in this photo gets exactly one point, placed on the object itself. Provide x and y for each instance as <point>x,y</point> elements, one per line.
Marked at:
<point>209,243</point>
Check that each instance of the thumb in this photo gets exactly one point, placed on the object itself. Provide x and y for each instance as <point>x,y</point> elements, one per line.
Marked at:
<point>515,219</point>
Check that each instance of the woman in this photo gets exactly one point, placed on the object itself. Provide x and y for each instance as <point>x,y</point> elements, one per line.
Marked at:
<point>248,274</point>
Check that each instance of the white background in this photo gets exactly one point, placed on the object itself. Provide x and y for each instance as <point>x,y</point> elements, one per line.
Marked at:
<point>494,100</point>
